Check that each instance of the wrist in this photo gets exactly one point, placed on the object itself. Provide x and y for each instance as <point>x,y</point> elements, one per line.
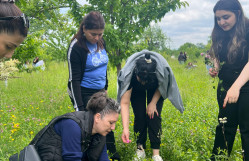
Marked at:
<point>125,129</point>
<point>236,87</point>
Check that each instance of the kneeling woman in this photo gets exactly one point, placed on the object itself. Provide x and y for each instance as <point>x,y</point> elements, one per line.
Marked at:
<point>79,135</point>
<point>146,74</point>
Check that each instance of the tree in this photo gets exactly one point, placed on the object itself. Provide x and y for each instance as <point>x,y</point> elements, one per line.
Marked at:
<point>192,50</point>
<point>126,21</point>
<point>46,16</point>
<point>155,38</point>
<point>31,48</point>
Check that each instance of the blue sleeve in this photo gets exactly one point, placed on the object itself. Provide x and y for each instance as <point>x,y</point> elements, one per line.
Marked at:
<point>104,155</point>
<point>70,133</point>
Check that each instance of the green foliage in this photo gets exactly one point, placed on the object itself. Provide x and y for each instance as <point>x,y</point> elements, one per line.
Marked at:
<point>128,20</point>
<point>29,68</point>
<point>208,46</point>
<point>155,38</point>
<point>51,18</point>
<point>58,39</point>
<point>193,51</point>
<point>31,101</point>
<point>32,47</point>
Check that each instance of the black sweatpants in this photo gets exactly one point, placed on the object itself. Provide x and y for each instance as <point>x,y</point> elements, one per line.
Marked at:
<point>236,114</point>
<point>86,94</point>
<point>142,122</point>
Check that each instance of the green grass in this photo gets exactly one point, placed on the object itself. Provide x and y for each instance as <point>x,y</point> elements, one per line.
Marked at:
<point>29,102</point>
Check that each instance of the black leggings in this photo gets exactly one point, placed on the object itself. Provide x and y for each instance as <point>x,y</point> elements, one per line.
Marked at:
<point>142,122</point>
<point>236,114</point>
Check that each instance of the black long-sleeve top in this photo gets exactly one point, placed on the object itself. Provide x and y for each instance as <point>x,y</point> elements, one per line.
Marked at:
<point>229,72</point>
<point>77,56</point>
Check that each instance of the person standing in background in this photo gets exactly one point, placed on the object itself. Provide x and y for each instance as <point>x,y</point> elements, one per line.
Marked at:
<point>181,58</point>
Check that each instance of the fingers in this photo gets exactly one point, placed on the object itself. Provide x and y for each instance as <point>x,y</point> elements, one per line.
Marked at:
<point>229,100</point>
<point>212,72</point>
<point>125,138</point>
<point>151,115</point>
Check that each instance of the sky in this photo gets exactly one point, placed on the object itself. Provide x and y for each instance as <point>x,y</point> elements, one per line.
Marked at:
<point>192,24</point>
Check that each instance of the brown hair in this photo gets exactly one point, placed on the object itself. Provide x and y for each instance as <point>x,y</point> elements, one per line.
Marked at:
<point>100,103</point>
<point>93,20</point>
<point>9,9</point>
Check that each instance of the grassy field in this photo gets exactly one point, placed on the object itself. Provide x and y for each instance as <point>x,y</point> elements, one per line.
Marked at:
<point>30,101</point>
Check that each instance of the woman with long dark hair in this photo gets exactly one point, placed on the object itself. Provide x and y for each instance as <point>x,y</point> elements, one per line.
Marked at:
<point>87,63</point>
<point>229,50</point>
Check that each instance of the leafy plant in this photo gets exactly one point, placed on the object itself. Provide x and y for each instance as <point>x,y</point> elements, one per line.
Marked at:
<point>8,68</point>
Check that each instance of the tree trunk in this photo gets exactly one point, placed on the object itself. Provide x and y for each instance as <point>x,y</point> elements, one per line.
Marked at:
<point>118,68</point>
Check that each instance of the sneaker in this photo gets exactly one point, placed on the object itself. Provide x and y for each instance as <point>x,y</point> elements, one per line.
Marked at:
<point>140,153</point>
<point>157,158</point>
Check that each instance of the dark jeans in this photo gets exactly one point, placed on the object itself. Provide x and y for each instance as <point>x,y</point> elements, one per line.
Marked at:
<point>86,94</point>
<point>142,122</point>
<point>236,114</point>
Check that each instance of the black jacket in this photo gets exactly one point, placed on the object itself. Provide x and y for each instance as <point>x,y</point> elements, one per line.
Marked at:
<point>77,57</point>
<point>49,145</point>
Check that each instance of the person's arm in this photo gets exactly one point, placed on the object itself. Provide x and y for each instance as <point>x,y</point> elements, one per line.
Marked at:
<point>75,75</point>
<point>151,108</point>
<point>125,114</point>
<point>70,133</point>
<point>234,91</point>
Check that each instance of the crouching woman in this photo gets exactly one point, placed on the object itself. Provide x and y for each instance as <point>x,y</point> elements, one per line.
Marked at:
<point>79,135</point>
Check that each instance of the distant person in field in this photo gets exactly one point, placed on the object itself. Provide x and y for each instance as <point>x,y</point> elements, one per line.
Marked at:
<point>80,135</point>
<point>185,55</point>
<point>191,66</point>
<point>229,48</point>
<point>181,58</point>
<point>13,28</point>
<point>35,60</point>
<point>38,63</point>
<point>146,81</point>
<point>87,64</point>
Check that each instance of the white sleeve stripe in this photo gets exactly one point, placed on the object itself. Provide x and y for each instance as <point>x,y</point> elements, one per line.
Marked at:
<point>70,72</point>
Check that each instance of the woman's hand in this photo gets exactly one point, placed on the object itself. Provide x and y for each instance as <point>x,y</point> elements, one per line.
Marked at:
<point>151,110</point>
<point>125,136</point>
<point>213,72</point>
<point>125,113</point>
<point>234,91</point>
<point>232,96</point>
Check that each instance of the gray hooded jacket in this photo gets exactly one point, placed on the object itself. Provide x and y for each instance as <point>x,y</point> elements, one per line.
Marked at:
<point>167,83</point>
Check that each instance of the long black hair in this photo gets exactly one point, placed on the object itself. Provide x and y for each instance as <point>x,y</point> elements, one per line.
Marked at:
<point>237,42</point>
<point>146,69</point>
